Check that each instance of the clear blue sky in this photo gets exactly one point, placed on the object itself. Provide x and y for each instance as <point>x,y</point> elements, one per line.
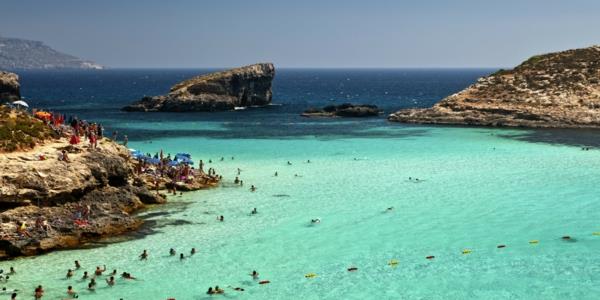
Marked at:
<point>305,33</point>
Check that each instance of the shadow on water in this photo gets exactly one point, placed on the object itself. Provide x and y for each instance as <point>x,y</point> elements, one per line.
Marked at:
<point>567,137</point>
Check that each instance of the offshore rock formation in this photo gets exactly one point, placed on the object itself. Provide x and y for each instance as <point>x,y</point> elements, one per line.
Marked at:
<point>26,54</point>
<point>343,110</point>
<point>9,87</point>
<point>559,89</point>
<point>64,204</point>
<point>240,87</point>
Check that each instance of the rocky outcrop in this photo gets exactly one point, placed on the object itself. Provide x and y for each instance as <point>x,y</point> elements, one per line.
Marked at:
<point>559,89</point>
<point>9,87</point>
<point>64,204</point>
<point>240,87</point>
<point>344,110</point>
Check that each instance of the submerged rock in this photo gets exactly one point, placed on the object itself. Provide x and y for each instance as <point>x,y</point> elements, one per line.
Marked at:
<point>9,87</point>
<point>344,110</point>
<point>559,89</point>
<point>239,87</point>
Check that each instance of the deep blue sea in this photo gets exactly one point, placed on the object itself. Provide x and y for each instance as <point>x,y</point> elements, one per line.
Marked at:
<point>477,188</point>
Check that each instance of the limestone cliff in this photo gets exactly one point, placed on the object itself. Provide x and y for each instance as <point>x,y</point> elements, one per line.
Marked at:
<point>240,87</point>
<point>559,89</point>
<point>9,87</point>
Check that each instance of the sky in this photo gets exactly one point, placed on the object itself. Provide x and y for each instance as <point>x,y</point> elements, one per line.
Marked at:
<point>304,33</point>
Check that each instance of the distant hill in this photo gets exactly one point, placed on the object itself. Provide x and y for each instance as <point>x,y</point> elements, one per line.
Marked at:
<point>26,54</point>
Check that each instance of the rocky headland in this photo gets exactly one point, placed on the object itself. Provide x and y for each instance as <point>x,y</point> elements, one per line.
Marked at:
<point>9,87</point>
<point>344,110</point>
<point>26,54</point>
<point>239,87</point>
<point>559,89</point>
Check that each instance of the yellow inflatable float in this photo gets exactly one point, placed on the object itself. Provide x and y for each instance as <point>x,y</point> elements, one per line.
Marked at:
<point>534,242</point>
<point>393,262</point>
<point>466,251</point>
<point>310,275</point>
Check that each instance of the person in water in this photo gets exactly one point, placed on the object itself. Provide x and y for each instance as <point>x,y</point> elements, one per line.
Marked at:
<point>275,173</point>
<point>99,271</point>
<point>193,251</point>
<point>181,257</point>
<point>252,188</point>
<point>110,281</point>
<point>254,275</point>
<point>69,273</point>
<point>13,296</point>
<point>77,265</point>
<point>237,180</point>
<point>144,255</point>
<point>114,272</point>
<point>218,290</point>
<point>221,218</point>
<point>85,275</point>
<point>254,211</point>
<point>315,221</point>
<point>39,292</point>
<point>127,276</point>
<point>12,271</point>
<point>289,163</point>
<point>91,287</point>
<point>172,252</point>
<point>210,291</point>
<point>71,292</point>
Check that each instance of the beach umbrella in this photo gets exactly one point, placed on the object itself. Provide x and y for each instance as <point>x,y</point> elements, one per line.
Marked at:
<point>21,103</point>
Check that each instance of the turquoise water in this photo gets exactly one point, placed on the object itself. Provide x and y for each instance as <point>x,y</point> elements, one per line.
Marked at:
<point>478,188</point>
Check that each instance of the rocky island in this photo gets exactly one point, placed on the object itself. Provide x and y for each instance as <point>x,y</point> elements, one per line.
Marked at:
<point>344,110</point>
<point>559,89</point>
<point>239,87</point>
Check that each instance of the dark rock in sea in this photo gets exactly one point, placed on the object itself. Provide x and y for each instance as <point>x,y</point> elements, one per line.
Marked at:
<point>559,89</point>
<point>343,110</point>
<point>9,87</point>
<point>239,87</point>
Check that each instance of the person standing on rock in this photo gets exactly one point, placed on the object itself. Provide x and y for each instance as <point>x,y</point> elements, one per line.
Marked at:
<point>125,140</point>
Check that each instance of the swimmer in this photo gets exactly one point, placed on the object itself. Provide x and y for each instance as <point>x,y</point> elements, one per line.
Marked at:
<point>91,287</point>
<point>210,291</point>
<point>99,271</point>
<point>220,218</point>
<point>69,273</point>
<point>289,163</point>
<point>210,161</point>
<point>254,211</point>
<point>181,257</point>
<point>252,188</point>
<point>239,171</point>
<point>308,161</point>
<point>39,292</point>
<point>127,276</point>
<point>193,251</point>
<point>241,183</point>
<point>12,271</point>
<point>390,208</point>
<point>77,265</point>
<point>314,221</point>
<point>254,275</point>
<point>222,158</point>
<point>237,180</point>
<point>144,255</point>
<point>71,292</point>
<point>218,290</point>
<point>114,272</point>
<point>13,296</point>
<point>232,158</point>
<point>239,289</point>
<point>172,252</point>
<point>275,173</point>
<point>110,281</point>
<point>85,275</point>
<point>92,283</point>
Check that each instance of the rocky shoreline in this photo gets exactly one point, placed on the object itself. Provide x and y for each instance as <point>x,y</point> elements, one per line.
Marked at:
<point>49,204</point>
<point>559,90</point>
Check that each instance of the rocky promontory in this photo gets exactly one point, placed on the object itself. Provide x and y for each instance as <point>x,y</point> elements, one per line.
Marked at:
<point>239,87</point>
<point>9,87</point>
<point>559,89</point>
<point>344,110</point>
<point>48,203</point>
